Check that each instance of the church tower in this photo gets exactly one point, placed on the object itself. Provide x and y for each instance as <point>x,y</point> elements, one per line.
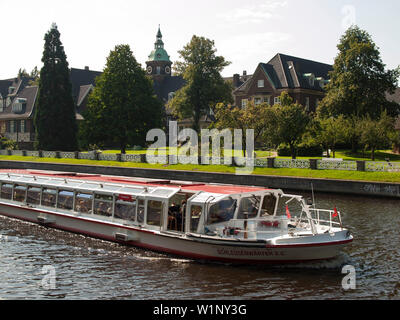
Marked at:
<point>158,66</point>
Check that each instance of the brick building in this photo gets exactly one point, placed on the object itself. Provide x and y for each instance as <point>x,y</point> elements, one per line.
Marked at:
<point>303,79</point>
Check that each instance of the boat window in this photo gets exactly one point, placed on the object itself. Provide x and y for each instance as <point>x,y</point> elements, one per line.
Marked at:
<point>65,199</point>
<point>6,191</point>
<point>249,207</point>
<point>140,213</point>
<point>222,211</point>
<point>33,195</point>
<point>19,193</point>
<point>103,205</point>
<point>83,202</point>
<point>49,197</point>
<point>195,213</point>
<point>125,209</point>
<point>154,212</point>
<point>268,205</point>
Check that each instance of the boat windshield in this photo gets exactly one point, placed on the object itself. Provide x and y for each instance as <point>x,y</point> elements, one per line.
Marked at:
<point>249,207</point>
<point>222,211</point>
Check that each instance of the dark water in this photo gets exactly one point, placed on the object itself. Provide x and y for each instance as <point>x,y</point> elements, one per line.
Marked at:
<point>86,268</point>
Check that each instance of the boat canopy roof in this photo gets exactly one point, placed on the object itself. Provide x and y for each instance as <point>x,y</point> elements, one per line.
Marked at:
<point>128,185</point>
<point>90,186</point>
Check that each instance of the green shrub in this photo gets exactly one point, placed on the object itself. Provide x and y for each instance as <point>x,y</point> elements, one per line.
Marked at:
<point>302,150</point>
<point>8,144</point>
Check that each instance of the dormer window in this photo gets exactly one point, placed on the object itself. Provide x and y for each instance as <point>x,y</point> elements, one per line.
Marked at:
<point>260,83</point>
<point>311,78</point>
<point>19,105</point>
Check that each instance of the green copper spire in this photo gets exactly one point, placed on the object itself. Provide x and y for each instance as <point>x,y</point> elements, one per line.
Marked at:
<point>159,53</point>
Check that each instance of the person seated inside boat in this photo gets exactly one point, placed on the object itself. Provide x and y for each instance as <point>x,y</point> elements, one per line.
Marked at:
<point>81,207</point>
<point>180,218</point>
<point>173,211</point>
<point>103,209</point>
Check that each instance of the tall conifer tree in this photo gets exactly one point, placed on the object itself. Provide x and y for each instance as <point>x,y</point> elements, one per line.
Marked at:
<point>55,121</point>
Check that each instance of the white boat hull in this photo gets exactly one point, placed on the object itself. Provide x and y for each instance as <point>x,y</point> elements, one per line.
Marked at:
<point>301,249</point>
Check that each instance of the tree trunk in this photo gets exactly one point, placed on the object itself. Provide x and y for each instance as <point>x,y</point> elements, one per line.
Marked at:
<point>292,151</point>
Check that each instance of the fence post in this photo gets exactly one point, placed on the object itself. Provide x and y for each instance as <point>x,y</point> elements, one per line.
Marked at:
<point>24,153</point>
<point>361,165</point>
<point>41,153</point>
<point>119,157</point>
<point>313,164</point>
<point>58,155</point>
<point>271,162</point>
<point>76,154</point>
<point>143,158</point>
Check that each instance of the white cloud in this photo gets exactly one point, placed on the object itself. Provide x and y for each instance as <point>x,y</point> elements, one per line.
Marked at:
<point>254,13</point>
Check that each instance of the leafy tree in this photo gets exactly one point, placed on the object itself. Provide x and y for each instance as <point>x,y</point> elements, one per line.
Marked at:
<point>251,117</point>
<point>35,75</point>
<point>376,133</point>
<point>205,87</point>
<point>122,107</point>
<point>287,123</point>
<point>359,81</point>
<point>328,132</point>
<point>54,118</point>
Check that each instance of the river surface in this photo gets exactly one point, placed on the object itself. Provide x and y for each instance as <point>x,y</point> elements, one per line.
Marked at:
<point>86,268</point>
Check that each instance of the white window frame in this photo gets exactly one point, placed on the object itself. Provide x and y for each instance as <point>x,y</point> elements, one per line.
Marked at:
<point>277,100</point>
<point>267,100</point>
<point>307,103</point>
<point>260,83</point>
<point>259,101</point>
<point>244,103</point>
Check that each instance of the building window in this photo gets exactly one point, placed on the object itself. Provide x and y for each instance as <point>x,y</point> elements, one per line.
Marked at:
<point>257,101</point>
<point>158,70</point>
<point>19,105</point>
<point>244,103</point>
<point>12,126</point>
<point>23,125</point>
<point>307,103</point>
<point>1,104</point>
<point>260,84</point>
<point>267,100</point>
<point>277,100</point>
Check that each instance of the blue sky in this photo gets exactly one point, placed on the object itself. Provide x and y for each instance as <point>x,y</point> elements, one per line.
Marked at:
<point>245,32</point>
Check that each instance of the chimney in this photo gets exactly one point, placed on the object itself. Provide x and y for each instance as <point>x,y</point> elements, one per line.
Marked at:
<point>236,80</point>
<point>244,75</point>
<point>87,68</point>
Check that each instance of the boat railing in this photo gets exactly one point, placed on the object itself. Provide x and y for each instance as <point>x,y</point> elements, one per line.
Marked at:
<point>326,217</point>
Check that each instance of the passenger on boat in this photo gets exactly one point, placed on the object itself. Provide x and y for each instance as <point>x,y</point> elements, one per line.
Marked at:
<point>81,207</point>
<point>103,209</point>
<point>173,211</point>
<point>181,216</point>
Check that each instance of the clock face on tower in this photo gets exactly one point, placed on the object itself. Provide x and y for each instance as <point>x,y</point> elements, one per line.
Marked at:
<point>149,69</point>
<point>167,69</point>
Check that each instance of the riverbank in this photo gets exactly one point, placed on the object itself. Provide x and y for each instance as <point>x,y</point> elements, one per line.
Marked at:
<point>280,178</point>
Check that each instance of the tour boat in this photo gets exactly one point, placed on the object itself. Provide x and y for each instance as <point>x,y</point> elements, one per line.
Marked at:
<point>208,222</point>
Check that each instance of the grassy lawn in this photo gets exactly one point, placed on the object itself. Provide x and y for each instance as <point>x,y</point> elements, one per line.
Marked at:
<point>308,173</point>
<point>380,155</point>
